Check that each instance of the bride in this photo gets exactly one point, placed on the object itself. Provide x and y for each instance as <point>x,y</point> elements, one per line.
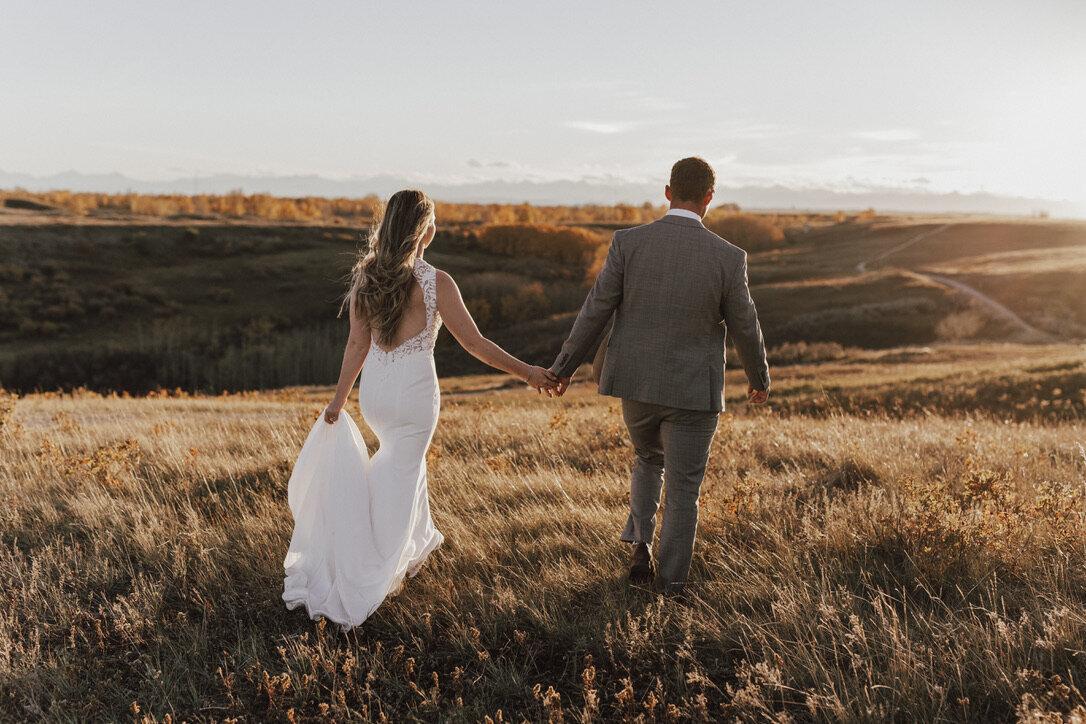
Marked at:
<point>361,523</point>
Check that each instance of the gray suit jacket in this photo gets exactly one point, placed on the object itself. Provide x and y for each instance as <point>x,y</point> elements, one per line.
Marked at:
<point>676,289</point>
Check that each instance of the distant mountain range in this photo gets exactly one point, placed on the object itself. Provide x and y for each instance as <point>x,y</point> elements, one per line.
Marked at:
<point>585,191</point>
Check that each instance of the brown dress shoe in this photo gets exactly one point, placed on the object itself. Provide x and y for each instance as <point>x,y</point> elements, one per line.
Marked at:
<point>641,570</point>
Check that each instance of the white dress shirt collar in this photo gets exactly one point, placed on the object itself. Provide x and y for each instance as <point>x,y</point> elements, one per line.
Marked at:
<point>683,212</point>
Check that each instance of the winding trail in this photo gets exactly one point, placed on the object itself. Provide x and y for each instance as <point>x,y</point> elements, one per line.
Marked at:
<point>862,266</point>
<point>1031,333</point>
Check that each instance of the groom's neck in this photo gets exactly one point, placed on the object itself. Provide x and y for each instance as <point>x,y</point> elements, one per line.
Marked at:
<point>689,206</point>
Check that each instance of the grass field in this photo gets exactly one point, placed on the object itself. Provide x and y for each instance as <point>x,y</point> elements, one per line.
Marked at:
<point>858,558</point>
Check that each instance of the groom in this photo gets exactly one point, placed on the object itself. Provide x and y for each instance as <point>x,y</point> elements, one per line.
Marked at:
<point>675,289</point>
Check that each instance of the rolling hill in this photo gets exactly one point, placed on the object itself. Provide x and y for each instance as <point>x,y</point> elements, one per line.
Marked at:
<point>138,303</point>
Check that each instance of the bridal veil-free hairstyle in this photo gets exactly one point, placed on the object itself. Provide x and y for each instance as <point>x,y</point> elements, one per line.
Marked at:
<point>382,278</point>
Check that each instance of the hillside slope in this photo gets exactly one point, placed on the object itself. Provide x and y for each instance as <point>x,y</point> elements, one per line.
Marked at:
<point>213,305</point>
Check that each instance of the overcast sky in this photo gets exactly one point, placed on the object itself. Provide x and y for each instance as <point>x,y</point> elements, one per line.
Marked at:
<point>949,95</point>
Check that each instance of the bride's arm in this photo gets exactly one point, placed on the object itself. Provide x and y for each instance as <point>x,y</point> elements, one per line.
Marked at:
<point>354,354</point>
<point>458,319</point>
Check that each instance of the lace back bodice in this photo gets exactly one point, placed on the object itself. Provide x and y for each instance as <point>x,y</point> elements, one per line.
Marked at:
<point>423,341</point>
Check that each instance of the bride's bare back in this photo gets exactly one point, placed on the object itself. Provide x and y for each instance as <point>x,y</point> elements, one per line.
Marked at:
<point>413,321</point>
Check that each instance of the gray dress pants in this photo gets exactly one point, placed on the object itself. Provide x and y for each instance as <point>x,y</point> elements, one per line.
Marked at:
<point>672,445</point>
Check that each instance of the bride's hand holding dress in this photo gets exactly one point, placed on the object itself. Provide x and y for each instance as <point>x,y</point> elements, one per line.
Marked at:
<point>354,355</point>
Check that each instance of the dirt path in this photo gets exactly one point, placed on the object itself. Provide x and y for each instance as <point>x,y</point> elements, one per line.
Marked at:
<point>1030,333</point>
<point>862,266</point>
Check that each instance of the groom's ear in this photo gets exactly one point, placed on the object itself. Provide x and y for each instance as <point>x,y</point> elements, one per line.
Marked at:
<point>667,192</point>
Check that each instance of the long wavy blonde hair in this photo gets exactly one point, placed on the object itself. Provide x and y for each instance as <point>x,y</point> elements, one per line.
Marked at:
<point>382,277</point>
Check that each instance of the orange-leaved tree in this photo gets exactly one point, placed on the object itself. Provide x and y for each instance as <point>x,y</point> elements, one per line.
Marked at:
<point>746,231</point>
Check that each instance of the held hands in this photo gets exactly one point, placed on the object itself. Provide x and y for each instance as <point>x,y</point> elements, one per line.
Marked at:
<point>756,397</point>
<point>563,385</point>
<point>554,385</point>
<point>542,380</point>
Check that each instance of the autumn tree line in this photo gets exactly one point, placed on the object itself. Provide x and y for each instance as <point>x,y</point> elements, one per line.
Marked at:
<point>317,209</point>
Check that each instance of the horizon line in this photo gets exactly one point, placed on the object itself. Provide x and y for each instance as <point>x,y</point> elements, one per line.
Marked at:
<point>860,195</point>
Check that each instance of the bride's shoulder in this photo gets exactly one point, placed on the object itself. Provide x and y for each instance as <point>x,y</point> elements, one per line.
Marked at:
<point>443,277</point>
<point>444,283</point>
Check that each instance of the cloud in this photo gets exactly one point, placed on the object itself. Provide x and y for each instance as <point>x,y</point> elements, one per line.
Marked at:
<point>476,163</point>
<point>596,127</point>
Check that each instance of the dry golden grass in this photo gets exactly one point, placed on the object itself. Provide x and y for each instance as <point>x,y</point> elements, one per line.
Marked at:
<point>926,566</point>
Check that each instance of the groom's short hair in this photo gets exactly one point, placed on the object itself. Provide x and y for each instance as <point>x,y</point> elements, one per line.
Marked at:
<point>691,179</point>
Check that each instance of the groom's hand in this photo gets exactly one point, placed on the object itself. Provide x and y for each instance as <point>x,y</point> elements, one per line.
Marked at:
<point>542,380</point>
<point>756,397</point>
<point>563,384</point>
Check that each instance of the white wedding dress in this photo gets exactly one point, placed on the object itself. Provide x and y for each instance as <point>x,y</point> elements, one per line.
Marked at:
<point>362,523</point>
